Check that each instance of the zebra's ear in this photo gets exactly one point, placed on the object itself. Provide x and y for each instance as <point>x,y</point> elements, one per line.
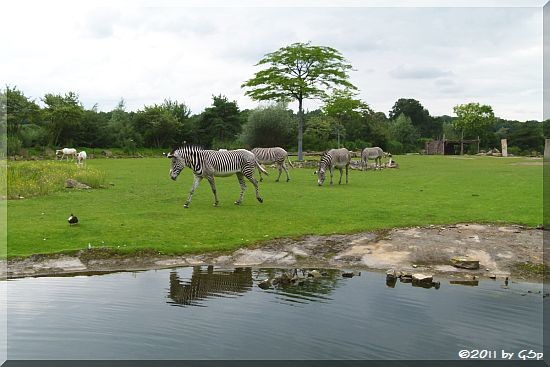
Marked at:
<point>315,172</point>
<point>168,155</point>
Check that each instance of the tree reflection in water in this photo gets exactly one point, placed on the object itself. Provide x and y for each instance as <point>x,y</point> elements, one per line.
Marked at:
<point>209,282</point>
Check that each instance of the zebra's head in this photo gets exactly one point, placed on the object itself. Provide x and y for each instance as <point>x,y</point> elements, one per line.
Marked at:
<point>176,166</point>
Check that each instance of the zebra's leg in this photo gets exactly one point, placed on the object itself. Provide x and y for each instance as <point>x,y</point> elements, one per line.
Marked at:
<point>255,183</point>
<point>331,173</point>
<point>280,171</point>
<point>192,191</point>
<point>340,181</point>
<point>347,167</point>
<point>213,187</point>
<point>286,171</point>
<point>243,187</point>
<point>261,178</point>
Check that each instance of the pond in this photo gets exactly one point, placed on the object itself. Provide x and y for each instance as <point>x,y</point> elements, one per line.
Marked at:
<point>214,313</point>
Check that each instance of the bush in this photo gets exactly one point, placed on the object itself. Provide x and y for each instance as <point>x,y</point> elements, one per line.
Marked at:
<point>395,147</point>
<point>268,127</point>
<point>13,145</point>
<point>514,150</point>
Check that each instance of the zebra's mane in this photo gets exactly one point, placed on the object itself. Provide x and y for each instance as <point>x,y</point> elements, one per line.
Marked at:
<point>187,148</point>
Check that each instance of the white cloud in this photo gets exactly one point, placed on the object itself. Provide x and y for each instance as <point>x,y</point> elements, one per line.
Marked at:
<point>440,56</point>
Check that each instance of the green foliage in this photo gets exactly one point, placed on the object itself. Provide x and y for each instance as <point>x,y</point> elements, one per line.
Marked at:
<point>62,116</point>
<point>221,122</point>
<point>13,145</point>
<point>269,126</point>
<point>299,71</point>
<point>395,147</point>
<point>145,210</point>
<point>20,110</point>
<point>403,131</point>
<point>426,125</point>
<point>473,118</point>
<point>28,179</point>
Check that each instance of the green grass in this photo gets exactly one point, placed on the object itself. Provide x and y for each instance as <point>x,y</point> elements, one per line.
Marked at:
<point>143,209</point>
<point>27,179</point>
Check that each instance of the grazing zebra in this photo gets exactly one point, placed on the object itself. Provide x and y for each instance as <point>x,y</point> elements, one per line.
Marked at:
<point>273,155</point>
<point>334,158</point>
<point>376,152</point>
<point>210,163</point>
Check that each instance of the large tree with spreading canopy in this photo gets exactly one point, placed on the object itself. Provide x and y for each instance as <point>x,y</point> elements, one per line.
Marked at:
<point>297,72</point>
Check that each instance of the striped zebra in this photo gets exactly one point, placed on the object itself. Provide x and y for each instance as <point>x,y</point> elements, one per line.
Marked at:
<point>210,163</point>
<point>273,155</point>
<point>376,152</point>
<point>334,158</point>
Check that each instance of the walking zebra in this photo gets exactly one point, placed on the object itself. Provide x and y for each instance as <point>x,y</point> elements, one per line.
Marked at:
<point>273,155</point>
<point>334,158</point>
<point>210,163</point>
<point>376,152</point>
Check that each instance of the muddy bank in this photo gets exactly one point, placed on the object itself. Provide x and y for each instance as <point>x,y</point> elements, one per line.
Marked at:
<point>500,250</point>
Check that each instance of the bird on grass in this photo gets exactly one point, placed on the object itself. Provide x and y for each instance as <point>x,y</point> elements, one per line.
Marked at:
<point>72,219</point>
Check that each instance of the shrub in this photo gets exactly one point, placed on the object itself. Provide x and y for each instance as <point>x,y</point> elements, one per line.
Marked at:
<point>395,147</point>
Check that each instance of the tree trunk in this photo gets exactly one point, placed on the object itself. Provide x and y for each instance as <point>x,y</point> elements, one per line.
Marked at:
<point>300,129</point>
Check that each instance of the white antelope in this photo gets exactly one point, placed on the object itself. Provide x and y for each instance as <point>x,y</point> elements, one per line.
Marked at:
<point>81,158</point>
<point>66,152</point>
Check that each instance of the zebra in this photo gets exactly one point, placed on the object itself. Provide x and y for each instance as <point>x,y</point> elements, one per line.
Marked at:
<point>273,155</point>
<point>376,152</point>
<point>210,163</point>
<point>334,158</point>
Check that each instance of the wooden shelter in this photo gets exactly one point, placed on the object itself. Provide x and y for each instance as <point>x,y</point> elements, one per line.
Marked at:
<point>449,146</point>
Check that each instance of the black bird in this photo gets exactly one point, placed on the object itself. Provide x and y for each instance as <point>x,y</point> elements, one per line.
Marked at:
<point>72,219</point>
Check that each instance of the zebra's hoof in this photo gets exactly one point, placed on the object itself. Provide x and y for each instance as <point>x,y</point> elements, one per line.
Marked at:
<point>186,206</point>
<point>288,179</point>
<point>237,203</point>
<point>260,200</point>
<point>215,205</point>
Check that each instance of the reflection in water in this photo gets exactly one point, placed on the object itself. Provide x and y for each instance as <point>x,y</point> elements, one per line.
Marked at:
<point>306,290</point>
<point>208,284</point>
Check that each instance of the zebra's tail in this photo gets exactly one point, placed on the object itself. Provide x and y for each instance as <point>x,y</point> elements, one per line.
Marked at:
<point>289,162</point>
<point>260,168</point>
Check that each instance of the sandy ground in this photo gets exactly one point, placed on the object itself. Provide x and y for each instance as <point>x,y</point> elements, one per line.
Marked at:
<point>499,250</point>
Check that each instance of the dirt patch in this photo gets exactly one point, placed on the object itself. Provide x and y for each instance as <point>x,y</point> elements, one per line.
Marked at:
<point>501,251</point>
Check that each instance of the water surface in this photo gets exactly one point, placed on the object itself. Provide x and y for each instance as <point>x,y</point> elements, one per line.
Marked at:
<point>212,313</point>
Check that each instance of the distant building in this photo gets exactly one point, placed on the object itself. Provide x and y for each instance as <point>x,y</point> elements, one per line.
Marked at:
<point>449,147</point>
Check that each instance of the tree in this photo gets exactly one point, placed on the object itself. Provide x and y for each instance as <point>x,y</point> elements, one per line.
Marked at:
<point>20,111</point>
<point>473,118</point>
<point>349,114</point>
<point>403,131</point>
<point>220,123</point>
<point>62,115</point>
<point>426,125</point>
<point>299,71</point>
<point>268,127</point>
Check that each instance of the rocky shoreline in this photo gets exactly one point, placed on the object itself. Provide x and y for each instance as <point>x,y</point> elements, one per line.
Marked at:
<point>500,251</point>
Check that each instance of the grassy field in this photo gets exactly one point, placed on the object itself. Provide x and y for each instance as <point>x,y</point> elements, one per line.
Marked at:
<point>143,209</point>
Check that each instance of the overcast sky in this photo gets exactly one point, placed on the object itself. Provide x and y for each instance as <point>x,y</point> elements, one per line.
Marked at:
<point>441,56</point>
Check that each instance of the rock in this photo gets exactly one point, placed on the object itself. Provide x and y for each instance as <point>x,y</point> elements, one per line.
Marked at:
<point>422,278</point>
<point>415,266</point>
<point>492,276</point>
<point>265,284</point>
<point>471,283</point>
<point>73,184</point>
<point>460,262</point>
<point>391,274</point>
<point>314,274</point>
<point>107,153</point>
<point>350,274</point>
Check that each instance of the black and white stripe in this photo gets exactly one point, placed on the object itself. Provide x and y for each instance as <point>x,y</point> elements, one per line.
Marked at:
<point>334,158</point>
<point>275,155</point>
<point>210,163</point>
<point>376,153</point>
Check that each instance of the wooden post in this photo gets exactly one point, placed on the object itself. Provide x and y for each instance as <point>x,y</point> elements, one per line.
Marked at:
<point>504,145</point>
<point>547,148</point>
<point>478,144</point>
<point>462,143</point>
